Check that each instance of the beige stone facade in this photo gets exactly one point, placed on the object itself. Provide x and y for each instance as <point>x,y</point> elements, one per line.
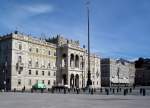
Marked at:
<point>117,72</point>
<point>25,61</point>
<point>28,61</point>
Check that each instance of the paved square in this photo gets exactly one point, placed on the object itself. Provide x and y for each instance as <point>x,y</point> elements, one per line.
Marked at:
<point>38,100</point>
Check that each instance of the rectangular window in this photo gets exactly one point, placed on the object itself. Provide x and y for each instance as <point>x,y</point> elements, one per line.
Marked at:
<point>30,49</point>
<point>43,81</point>
<point>54,82</point>
<point>20,46</point>
<point>29,72</point>
<point>49,82</point>
<point>36,72</point>
<point>43,73</point>
<point>37,50</point>
<point>54,73</point>
<point>49,52</point>
<point>54,53</point>
<point>49,73</point>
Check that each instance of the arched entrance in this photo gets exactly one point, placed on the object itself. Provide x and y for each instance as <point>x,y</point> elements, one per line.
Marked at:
<point>72,81</point>
<point>77,81</point>
<point>64,79</point>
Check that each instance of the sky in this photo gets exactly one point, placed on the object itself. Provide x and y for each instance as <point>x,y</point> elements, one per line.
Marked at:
<point>118,28</point>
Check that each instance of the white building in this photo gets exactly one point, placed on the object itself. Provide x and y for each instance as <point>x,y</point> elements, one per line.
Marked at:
<point>25,61</point>
<point>117,72</point>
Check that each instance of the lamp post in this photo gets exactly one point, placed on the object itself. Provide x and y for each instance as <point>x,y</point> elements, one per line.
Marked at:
<point>89,81</point>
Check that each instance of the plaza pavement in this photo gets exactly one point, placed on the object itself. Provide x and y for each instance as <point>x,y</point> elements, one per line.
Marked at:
<point>47,100</point>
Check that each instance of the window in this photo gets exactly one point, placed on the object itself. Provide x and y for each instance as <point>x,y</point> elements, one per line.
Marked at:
<point>36,64</point>
<point>54,82</point>
<point>19,81</point>
<point>30,49</point>
<point>43,73</point>
<point>49,73</point>
<point>49,52</point>
<point>43,81</point>
<point>37,50</point>
<point>97,82</point>
<point>36,72</point>
<point>20,59</point>
<point>19,72</point>
<point>29,83</point>
<point>49,65</point>
<point>29,72</point>
<point>49,82</point>
<point>54,73</point>
<point>30,62</point>
<point>54,53</point>
<point>20,46</point>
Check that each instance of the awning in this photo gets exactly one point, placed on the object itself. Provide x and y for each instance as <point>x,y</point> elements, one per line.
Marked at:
<point>39,85</point>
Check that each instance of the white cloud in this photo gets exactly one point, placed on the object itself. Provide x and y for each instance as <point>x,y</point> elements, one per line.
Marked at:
<point>38,8</point>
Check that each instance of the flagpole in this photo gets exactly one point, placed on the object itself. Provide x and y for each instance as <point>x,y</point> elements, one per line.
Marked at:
<point>89,81</point>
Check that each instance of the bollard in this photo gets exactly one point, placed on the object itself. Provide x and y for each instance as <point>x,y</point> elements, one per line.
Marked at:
<point>130,90</point>
<point>64,91</point>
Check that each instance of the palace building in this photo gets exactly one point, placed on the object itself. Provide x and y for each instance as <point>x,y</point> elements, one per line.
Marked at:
<point>25,61</point>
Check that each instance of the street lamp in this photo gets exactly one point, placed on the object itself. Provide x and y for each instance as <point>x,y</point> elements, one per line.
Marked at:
<point>89,81</point>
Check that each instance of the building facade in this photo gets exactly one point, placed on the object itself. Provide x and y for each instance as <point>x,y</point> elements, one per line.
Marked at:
<point>142,77</point>
<point>72,63</point>
<point>117,72</point>
<point>24,61</point>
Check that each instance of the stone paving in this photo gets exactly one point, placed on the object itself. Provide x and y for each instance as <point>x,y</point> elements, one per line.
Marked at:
<point>47,100</point>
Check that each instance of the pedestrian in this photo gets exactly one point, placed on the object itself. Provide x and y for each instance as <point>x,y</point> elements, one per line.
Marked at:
<point>124,92</point>
<point>130,90</point>
<point>144,92</point>
<point>113,90</point>
<point>141,90</point>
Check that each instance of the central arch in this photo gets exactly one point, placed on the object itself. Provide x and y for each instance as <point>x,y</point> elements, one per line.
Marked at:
<point>71,81</point>
<point>64,79</point>
<point>77,81</point>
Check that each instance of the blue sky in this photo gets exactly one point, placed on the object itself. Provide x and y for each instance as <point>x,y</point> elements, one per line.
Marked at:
<point>119,28</point>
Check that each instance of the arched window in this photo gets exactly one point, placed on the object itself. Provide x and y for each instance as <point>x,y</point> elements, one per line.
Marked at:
<point>64,60</point>
<point>77,61</point>
<point>71,60</point>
